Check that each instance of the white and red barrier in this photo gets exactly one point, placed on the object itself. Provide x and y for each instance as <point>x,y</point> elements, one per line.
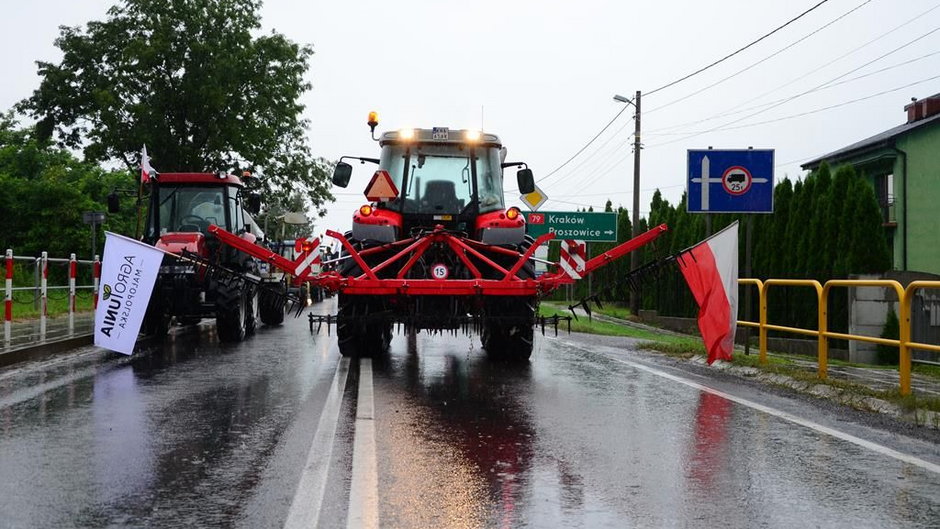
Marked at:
<point>573,257</point>
<point>42,287</point>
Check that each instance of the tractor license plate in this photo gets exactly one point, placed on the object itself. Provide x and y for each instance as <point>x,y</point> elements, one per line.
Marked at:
<point>440,133</point>
<point>443,217</point>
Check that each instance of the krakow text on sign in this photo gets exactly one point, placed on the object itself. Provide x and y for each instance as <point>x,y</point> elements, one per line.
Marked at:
<point>594,227</point>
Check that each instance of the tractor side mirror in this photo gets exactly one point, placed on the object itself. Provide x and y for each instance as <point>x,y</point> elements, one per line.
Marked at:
<point>253,203</point>
<point>525,181</point>
<point>341,174</point>
<point>114,203</point>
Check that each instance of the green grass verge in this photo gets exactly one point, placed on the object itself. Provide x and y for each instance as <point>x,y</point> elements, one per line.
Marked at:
<point>57,304</point>
<point>614,310</point>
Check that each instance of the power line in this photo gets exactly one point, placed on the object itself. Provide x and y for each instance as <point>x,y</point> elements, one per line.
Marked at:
<point>590,156</point>
<point>739,50</point>
<point>735,110</point>
<point>784,99</point>
<point>588,144</point>
<point>830,107</point>
<point>801,94</point>
<point>626,192</point>
<point>765,59</point>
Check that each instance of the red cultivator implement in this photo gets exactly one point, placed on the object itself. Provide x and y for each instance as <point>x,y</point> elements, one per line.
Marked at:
<point>435,280</point>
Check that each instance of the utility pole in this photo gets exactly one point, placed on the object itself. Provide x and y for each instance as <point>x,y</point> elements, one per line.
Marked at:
<point>634,255</point>
<point>637,145</point>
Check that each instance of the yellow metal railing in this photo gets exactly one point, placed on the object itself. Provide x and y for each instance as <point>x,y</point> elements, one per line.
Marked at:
<point>822,332</point>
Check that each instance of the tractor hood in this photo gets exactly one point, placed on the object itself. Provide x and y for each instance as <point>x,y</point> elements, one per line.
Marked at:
<point>178,241</point>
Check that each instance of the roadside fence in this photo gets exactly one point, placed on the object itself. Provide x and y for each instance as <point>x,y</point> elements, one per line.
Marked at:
<point>41,290</point>
<point>822,334</point>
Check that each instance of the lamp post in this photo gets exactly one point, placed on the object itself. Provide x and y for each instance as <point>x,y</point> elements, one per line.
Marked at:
<point>634,256</point>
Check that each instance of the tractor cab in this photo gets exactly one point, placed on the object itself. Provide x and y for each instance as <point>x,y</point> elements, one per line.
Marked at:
<point>443,177</point>
<point>184,205</point>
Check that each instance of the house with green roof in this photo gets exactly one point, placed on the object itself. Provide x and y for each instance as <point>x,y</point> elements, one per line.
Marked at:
<point>903,164</point>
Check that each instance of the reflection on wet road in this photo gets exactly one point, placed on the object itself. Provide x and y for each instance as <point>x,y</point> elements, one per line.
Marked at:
<point>178,436</point>
<point>194,433</point>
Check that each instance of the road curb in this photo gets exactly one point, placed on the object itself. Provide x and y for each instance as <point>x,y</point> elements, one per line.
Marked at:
<point>43,350</point>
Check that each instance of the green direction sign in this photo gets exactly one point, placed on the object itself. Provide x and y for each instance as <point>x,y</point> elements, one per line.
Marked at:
<point>595,227</point>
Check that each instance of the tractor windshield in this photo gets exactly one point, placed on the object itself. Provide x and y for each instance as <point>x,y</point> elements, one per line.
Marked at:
<point>194,208</point>
<point>441,177</point>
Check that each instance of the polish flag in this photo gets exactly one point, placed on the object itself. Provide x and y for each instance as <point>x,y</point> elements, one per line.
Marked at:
<point>146,170</point>
<point>711,270</point>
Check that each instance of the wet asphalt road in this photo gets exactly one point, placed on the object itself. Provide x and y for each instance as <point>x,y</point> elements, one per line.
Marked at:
<point>590,433</point>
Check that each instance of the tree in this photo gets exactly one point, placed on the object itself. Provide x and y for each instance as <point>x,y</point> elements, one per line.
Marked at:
<point>190,80</point>
<point>44,191</point>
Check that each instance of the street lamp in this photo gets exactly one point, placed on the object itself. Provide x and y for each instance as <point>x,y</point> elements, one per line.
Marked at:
<point>634,256</point>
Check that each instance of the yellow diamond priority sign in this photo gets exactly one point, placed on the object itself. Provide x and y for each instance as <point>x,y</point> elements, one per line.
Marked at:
<point>535,199</point>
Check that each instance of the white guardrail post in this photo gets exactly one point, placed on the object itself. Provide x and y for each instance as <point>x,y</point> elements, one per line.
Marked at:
<point>72,270</point>
<point>43,293</point>
<point>95,275</point>
<point>8,301</point>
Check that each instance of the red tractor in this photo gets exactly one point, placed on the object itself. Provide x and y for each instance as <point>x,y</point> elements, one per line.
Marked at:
<point>436,248</point>
<point>450,190</point>
<point>182,207</point>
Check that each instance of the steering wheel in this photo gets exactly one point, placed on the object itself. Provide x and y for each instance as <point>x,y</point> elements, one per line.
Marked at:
<point>199,220</point>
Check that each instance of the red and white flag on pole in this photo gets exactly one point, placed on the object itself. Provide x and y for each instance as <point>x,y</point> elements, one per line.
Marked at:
<point>146,170</point>
<point>711,270</point>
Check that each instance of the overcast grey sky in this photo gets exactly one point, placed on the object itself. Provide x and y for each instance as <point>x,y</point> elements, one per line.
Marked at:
<point>542,74</point>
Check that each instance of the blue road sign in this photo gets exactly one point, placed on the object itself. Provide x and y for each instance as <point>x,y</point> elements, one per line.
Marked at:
<point>730,181</point>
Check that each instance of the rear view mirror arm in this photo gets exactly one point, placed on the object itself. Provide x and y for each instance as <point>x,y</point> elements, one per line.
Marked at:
<point>362,160</point>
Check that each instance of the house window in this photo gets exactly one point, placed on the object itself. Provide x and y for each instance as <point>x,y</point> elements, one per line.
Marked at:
<point>884,188</point>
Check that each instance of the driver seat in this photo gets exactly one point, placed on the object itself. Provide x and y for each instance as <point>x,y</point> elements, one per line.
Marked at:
<point>441,195</point>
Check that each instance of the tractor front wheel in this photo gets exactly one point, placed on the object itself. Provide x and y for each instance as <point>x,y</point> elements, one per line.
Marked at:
<point>231,310</point>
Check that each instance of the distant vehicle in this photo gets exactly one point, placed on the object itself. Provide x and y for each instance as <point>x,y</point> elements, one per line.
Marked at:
<point>182,207</point>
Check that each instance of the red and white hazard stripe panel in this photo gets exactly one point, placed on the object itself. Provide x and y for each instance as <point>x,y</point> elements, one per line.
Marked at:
<point>306,260</point>
<point>573,256</point>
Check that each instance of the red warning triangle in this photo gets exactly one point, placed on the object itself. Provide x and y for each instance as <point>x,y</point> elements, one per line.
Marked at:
<point>381,187</point>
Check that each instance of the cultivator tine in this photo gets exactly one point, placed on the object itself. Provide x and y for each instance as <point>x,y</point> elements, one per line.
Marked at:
<point>553,320</point>
<point>320,319</point>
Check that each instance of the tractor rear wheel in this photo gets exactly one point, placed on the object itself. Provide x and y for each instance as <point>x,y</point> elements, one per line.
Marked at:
<point>508,331</point>
<point>231,310</point>
<point>359,331</point>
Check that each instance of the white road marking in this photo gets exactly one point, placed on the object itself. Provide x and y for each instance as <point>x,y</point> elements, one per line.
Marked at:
<point>364,490</point>
<point>305,509</point>
<point>907,458</point>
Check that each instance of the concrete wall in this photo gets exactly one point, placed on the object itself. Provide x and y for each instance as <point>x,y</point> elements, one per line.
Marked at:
<point>868,310</point>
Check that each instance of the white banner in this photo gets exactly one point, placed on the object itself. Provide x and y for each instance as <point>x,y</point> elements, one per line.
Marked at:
<point>128,272</point>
